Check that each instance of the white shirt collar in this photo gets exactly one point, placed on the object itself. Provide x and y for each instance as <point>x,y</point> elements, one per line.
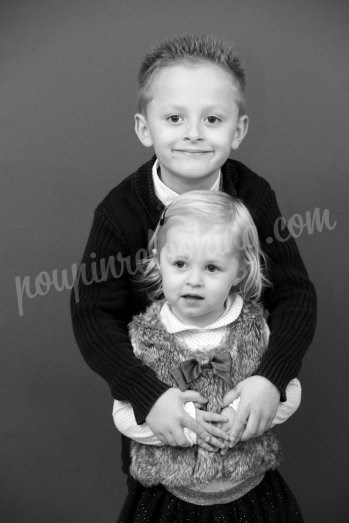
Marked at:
<point>167,195</point>
<point>231,312</point>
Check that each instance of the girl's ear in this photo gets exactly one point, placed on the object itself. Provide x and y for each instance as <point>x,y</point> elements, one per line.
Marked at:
<point>155,256</point>
<point>142,130</point>
<point>240,276</point>
<point>240,131</point>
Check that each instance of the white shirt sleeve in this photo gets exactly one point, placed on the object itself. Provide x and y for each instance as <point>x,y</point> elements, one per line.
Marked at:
<point>125,422</point>
<point>285,408</point>
<point>293,400</point>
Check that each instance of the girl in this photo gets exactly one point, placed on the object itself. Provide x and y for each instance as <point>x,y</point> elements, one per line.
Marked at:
<point>207,333</point>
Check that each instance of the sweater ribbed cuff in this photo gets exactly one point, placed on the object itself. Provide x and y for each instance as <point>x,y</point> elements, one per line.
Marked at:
<point>143,396</point>
<point>278,377</point>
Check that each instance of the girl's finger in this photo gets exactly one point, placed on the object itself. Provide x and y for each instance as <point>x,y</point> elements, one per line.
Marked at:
<point>206,446</point>
<point>213,417</point>
<point>215,431</point>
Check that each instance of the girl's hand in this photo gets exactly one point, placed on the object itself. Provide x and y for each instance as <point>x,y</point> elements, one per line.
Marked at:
<point>218,435</point>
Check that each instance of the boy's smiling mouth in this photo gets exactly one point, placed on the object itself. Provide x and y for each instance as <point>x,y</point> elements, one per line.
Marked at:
<point>192,151</point>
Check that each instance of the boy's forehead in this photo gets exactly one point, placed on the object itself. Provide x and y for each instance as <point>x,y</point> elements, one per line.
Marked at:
<point>170,83</point>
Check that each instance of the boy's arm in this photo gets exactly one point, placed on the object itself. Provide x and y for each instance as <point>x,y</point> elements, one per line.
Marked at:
<point>290,301</point>
<point>100,305</point>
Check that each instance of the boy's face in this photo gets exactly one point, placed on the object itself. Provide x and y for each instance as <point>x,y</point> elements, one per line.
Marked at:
<point>193,122</point>
<point>198,267</point>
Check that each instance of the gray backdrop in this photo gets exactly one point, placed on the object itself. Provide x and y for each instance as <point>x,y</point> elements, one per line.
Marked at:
<point>67,98</point>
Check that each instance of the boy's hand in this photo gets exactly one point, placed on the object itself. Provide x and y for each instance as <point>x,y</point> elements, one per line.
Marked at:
<point>259,400</point>
<point>218,435</point>
<point>167,418</point>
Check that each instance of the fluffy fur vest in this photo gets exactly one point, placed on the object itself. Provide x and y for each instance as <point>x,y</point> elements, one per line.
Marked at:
<point>246,340</point>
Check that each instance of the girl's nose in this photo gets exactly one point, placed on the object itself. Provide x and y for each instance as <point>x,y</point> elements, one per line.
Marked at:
<point>194,278</point>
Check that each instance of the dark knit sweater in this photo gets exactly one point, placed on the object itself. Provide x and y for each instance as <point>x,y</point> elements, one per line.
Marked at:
<point>122,225</point>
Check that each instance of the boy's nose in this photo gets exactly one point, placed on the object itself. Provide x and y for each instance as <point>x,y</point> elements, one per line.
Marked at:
<point>193,131</point>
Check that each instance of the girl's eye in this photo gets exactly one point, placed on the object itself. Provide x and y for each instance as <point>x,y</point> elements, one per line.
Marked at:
<point>179,264</point>
<point>174,118</point>
<point>212,268</point>
<point>213,119</point>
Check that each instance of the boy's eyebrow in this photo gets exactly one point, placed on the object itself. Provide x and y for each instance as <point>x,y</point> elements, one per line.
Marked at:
<point>177,107</point>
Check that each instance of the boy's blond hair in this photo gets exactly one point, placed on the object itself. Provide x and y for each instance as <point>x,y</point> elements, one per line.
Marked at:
<point>207,209</point>
<point>191,49</point>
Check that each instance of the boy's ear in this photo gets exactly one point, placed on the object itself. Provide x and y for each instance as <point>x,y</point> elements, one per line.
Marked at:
<point>240,131</point>
<point>142,130</point>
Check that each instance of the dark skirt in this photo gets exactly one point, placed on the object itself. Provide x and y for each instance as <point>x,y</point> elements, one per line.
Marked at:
<point>271,501</point>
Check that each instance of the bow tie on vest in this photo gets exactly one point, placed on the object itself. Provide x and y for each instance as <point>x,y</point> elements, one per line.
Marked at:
<point>190,370</point>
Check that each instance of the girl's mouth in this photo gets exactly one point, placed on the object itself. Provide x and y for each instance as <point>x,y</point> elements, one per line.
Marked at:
<point>193,297</point>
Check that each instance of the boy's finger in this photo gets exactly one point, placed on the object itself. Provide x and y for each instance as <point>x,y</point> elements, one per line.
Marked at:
<point>193,425</point>
<point>193,395</point>
<point>256,428</point>
<point>238,427</point>
<point>252,429</point>
<point>168,439</point>
<point>178,437</point>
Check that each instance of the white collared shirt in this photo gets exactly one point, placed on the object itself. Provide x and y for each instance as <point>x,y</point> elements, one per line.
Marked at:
<point>202,338</point>
<point>167,195</point>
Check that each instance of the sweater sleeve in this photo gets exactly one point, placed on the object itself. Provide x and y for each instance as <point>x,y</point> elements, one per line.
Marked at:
<point>287,408</point>
<point>290,300</point>
<point>100,308</point>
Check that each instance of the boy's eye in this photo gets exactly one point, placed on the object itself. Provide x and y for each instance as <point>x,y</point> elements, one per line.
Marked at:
<point>212,268</point>
<point>213,119</point>
<point>175,118</point>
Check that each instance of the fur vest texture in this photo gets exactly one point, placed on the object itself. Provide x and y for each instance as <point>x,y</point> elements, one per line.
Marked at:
<point>194,467</point>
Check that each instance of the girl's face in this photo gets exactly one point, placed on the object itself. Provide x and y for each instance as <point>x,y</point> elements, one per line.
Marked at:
<point>198,267</point>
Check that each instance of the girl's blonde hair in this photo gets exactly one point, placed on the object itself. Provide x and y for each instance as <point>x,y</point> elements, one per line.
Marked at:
<point>209,208</point>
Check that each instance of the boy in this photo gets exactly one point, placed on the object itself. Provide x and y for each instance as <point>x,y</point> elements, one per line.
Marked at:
<point>191,111</point>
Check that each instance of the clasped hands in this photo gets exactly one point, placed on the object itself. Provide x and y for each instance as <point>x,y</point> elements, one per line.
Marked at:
<point>259,400</point>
